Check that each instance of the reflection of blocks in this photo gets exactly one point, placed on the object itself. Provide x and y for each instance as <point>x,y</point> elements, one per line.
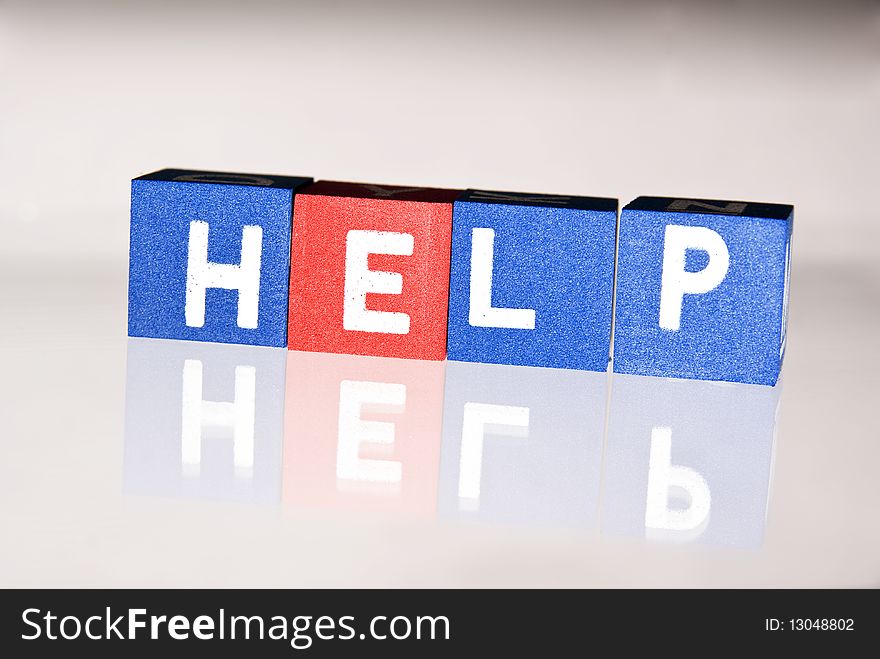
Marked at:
<point>522,445</point>
<point>210,256</point>
<point>362,433</point>
<point>688,461</point>
<point>370,270</point>
<point>531,280</point>
<point>203,420</point>
<point>702,289</point>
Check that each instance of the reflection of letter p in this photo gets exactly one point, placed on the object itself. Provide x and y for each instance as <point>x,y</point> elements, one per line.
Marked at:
<point>681,484</point>
<point>676,281</point>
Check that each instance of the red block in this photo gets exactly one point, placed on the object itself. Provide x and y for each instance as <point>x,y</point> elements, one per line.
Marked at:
<point>362,433</point>
<point>394,245</point>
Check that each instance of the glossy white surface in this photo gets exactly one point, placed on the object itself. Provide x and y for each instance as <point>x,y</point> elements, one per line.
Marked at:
<point>89,498</point>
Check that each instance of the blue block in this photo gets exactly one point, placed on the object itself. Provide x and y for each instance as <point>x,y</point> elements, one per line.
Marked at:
<point>719,310</point>
<point>531,280</point>
<point>189,233</point>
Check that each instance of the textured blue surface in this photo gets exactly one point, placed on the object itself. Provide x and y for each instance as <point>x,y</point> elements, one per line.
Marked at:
<point>734,332</point>
<point>161,212</point>
<point>556,259</point>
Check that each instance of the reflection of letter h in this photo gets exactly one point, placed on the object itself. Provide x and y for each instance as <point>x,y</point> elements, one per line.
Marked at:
<point>201,414</point>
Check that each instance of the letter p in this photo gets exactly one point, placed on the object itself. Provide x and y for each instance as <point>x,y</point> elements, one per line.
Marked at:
<point>676,281</point>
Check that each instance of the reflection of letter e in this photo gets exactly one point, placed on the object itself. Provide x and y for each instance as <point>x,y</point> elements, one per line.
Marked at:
<point>354,396</point>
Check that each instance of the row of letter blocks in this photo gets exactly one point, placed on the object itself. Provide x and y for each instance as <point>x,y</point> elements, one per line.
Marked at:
<point>478,276</point>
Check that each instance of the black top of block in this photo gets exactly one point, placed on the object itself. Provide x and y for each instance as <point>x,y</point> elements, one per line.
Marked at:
<point>381,191</point>
<point>535,199</point>
<point>710,207</point>
<point>226,178</point>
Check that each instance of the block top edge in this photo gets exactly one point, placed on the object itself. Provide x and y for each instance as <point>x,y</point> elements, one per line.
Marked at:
<point>226,178</point>
<point>601,204</point>
<point>380,192</point>
<point>711,207</point>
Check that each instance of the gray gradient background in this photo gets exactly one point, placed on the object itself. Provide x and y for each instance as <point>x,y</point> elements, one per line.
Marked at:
<point>747,100</point>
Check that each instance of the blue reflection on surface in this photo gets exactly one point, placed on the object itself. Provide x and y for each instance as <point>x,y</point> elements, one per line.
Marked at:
<point>203,420</point>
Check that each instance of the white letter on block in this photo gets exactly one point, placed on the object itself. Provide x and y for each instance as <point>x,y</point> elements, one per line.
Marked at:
<point>685,484</point>
<point>360,280</point>
<point>676,281</point>
<point>478,419</point>
<point>353,431</point>
<point>482,313</point>
<point>202,275</point>
<point>199,415</point>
